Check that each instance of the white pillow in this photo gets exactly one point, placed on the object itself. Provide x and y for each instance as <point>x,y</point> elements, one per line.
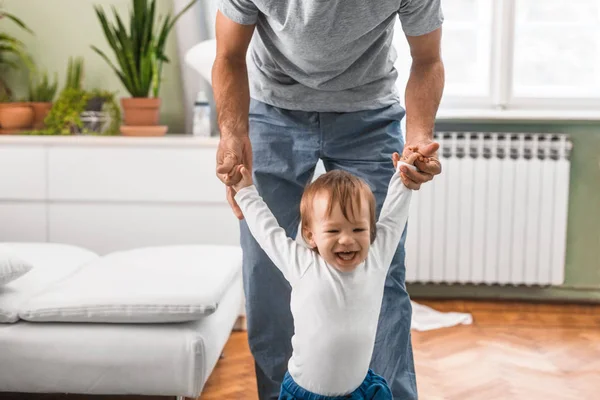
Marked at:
<point>52,262</point>
<point>147,285</point>
<point>11,266</point>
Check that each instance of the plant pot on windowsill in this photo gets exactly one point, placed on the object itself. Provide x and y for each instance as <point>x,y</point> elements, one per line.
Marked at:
<point>140,54</point>
<point>93,118</point>
<point>141,117</point>
<point>95,104</point>
<point>40,112</point>
<point>15,117</point>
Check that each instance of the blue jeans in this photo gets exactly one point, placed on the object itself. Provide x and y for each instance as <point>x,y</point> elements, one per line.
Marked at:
<point>286,147</point>
<point>374,387</point>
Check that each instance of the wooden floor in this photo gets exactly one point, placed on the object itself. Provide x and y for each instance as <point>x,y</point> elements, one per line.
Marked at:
<point>512,351</point>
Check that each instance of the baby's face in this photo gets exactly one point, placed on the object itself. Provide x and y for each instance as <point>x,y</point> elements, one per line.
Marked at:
<point>342,243</point>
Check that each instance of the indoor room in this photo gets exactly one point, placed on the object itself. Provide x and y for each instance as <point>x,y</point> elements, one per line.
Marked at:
<point>299,199</point>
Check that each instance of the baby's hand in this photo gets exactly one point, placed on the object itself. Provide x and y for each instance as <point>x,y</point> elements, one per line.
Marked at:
<point>246,178</point>
<point>408,158</point>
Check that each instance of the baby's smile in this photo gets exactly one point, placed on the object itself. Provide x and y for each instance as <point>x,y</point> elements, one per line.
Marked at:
<point>342,240</point>
<point>346,255</point>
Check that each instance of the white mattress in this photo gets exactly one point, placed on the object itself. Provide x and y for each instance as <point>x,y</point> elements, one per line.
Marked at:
<point>149,359</point>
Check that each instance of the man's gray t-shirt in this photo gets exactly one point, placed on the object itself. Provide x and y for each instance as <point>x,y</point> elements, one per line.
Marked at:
<point>328,55</point>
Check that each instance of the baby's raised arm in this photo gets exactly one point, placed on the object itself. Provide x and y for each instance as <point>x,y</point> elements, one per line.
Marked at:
<point>290,257</point>
<point>394,213</point>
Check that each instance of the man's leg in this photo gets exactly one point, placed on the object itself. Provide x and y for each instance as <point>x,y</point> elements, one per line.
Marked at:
<point>285,147</point>
<point>362,143</point>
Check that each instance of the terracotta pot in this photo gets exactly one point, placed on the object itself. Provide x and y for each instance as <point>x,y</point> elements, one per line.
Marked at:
<point>140,111</point>
<point>40,112</point>
<point>155,130</point>
<point>16,116</point>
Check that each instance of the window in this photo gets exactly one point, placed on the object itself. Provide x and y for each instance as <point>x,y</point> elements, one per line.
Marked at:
<point>557,49</point>
<point>517,59</point>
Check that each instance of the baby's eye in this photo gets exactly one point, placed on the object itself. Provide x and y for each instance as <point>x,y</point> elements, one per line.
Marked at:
<point>332,231</point>
<point>359,230</point>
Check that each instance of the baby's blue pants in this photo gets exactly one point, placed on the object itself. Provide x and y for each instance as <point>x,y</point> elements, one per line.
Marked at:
<point>374,387</point>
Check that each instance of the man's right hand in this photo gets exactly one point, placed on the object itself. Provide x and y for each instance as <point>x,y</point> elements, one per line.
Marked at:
<point>233,150</point>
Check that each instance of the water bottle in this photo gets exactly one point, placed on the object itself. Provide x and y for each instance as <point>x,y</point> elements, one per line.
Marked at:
<point>202,124</point>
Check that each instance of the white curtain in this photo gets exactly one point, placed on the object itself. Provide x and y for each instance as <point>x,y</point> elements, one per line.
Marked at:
<point>194,26</point>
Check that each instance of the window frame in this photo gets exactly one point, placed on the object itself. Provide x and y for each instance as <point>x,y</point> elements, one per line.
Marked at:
<point>502,104</point>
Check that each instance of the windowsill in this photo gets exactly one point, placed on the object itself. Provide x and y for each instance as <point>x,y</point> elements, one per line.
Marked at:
<point>169,140</point>
<point>444,115</point>
<point>479,115</point>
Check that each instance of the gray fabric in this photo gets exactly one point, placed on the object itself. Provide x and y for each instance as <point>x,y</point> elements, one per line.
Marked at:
<point>336,55</point>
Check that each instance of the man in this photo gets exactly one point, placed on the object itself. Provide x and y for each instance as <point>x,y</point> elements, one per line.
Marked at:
<point>320,84</point>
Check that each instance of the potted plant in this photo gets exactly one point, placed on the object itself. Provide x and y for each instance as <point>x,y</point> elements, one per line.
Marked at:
<point>41,95</point>
<point>68,115</point>
<point>74,78</point>
<point>140,53</point>
<point>18,115</point>
<point>76,111</point>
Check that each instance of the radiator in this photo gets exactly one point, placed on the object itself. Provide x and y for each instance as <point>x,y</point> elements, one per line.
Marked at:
<point>496,215</point>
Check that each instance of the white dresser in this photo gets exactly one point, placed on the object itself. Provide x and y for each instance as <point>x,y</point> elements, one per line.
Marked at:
<point>113,193</point>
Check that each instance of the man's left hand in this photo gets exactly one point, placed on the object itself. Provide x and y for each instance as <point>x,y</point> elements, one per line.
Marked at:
<point>428,163</point>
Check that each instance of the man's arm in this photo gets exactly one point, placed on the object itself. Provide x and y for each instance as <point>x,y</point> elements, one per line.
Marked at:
<point>423,94</point>
<point>425,85</point>
<point>232,98</point>
<point>230,75</point>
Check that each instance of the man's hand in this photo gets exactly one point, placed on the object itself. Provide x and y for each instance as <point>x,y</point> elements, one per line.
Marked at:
<point>233,151</point>
<point>427,163</point>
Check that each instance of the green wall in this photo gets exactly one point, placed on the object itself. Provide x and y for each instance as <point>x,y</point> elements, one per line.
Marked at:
<point>66,28</point>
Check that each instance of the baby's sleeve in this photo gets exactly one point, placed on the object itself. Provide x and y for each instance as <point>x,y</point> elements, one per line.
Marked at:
<point>393,217</point>
<point>290,257</point>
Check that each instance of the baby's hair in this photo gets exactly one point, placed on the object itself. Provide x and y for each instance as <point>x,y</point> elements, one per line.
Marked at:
<point>342,188</point>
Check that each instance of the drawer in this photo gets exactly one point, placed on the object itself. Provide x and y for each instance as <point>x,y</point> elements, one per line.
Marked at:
<point>145,174</point>
<point>22,172</point>
<point>108,227</point>
<point>22,222</point>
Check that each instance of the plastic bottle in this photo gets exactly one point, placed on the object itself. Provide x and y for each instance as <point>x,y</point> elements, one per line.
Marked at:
<point>202,121</point>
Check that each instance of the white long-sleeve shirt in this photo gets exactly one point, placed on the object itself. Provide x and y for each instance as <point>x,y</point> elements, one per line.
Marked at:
<point>335,313</point>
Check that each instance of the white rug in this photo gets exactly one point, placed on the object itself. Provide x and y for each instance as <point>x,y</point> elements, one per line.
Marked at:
<point>426,318</point>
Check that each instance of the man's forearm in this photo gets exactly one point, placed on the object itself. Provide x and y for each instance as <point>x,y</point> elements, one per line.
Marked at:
<point>232,95</point>
<point>423,94</point>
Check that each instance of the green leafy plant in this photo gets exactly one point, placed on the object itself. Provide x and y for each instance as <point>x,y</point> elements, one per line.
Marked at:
<point>71,112</point>
<point>140,51</point>
<point>11,48</point>
<point>74,78</point>
<point>41,89</point>
<point>65,116</point>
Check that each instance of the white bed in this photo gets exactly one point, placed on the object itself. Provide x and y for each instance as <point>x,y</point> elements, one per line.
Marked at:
<point>159,359</point>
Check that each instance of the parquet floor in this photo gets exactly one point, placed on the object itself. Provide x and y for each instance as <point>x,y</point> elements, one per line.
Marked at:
<point>512,351</point>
